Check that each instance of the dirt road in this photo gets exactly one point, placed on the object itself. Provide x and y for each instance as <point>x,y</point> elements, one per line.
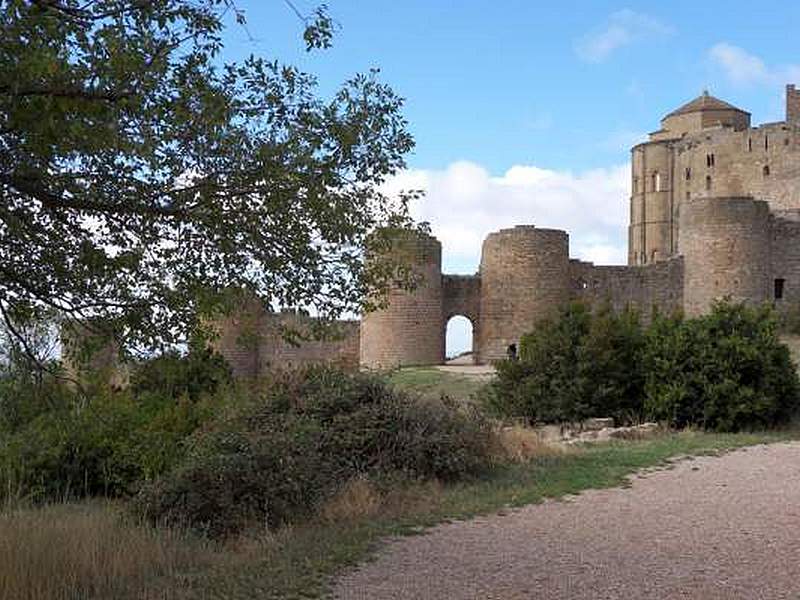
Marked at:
<point>710,528</point>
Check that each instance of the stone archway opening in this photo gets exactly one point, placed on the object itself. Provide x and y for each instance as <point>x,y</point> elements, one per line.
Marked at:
<point>459,345</point>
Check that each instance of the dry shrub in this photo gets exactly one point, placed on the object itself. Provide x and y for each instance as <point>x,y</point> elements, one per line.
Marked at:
<point>520,444</point>
<point>87,551</point>
<point>277,459</point>
<point>357,498</point>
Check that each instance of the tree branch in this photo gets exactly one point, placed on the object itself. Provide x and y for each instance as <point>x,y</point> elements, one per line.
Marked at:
<point>73,93</point>
<point>53,201</point>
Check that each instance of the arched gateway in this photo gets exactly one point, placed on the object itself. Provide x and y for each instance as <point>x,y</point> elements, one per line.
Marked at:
<point>524,276</point>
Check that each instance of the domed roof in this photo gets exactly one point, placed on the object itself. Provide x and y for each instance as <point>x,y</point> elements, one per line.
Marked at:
<point>702,103</point>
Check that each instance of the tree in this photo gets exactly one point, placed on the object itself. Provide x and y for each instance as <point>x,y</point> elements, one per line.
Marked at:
<point>140,176</point>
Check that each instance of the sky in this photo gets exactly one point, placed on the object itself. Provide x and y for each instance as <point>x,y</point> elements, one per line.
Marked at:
<point>525,111</point>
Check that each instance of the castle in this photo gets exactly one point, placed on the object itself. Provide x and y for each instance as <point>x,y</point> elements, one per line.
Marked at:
<point>714,212</point>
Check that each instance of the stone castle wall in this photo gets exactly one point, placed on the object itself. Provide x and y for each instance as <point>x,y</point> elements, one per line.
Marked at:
<point>785,255</point>
<point>726,244</point>
<point>254,342</point>
<point>792,104</point>
<point>650,230</point>
<point>716,162</point>
<point>733,248</point>
<point>409,331</point>
<point>763,162</point>
<point>461,296</point>
<point>524,277</point>
<point>644,288</point>
<point>714,213</point>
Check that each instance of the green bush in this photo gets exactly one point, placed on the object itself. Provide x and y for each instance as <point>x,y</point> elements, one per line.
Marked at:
<point>725,371</point>
<point>102,446</point>
<point>789,318</point>
<point>573,367</point>
<point>277,458</point>
<point>23,398</point>
<point>56,443</point>
<point>201,371</point>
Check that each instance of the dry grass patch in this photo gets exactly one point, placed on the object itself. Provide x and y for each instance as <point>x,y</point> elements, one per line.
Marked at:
<point>88,551</point>
<point>358,498</point>
<point>361,498</point>
<point>518,444</point>
<point>417,498</point>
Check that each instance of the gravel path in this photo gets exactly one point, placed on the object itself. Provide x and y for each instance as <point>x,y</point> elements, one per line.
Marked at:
<point>712,527</point>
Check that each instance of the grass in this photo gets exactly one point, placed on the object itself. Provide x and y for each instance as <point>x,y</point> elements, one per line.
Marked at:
<point>298,562</point>
<point>89,550</point>
<point>429,382</point>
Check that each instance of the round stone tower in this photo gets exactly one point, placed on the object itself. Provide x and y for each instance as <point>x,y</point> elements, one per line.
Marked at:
<point>650,231</point>
<point>410,329</point>
<point>726,247</point>
<point>524,278</point>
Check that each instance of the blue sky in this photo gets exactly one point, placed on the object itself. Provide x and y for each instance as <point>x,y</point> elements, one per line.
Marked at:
<point>524,111</point>
<point>504,83</point>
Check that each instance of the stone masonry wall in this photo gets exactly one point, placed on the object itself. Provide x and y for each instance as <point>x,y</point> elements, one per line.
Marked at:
<point>708,154</point>
<point>726,246</point>
<point>524,278</point>
<point>253,342</point>
<point>238,339</point>
<point>792,104</point>
<point>461,295</point>
<point>763,162</point>
<point>340,346</point>
<point>643,288</point>
<point>786,258</point>
<point>650,232</point>
<point>409,330</point>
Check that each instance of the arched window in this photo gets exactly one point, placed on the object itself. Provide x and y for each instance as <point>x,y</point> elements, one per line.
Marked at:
<point>708,183</point>
<point>766,142</point>
<point>749,144</point>
<point>765,170</point>
<point>710,160</point>
<point>688,173</point>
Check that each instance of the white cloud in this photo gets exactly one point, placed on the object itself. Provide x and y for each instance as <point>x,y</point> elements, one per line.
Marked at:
<point>743,68</point>
<point>464,203</point>
<point>622,28</point>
